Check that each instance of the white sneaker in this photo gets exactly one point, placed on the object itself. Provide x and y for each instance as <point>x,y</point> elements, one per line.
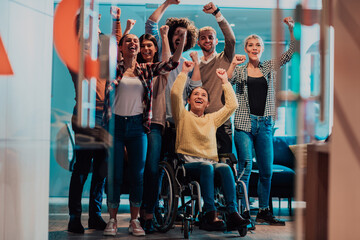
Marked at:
<point>111,228</point>
<point>135,228</point>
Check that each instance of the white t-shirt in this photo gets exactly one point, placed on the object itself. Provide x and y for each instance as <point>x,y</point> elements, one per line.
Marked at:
<point>128,97</point>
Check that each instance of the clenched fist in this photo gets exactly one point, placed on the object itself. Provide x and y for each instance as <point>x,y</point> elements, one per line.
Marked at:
<point>222,75</point>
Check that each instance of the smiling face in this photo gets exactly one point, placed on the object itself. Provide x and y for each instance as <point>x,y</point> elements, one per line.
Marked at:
<point>147,50</point>
<point>254,47</point>
<point>199,101</point>
<point>176,38</point>
<point>129,46</point>
<point>207,40</point>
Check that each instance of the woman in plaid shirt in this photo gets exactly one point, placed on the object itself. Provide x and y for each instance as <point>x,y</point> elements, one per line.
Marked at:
<point>254,118</point>
<point>130,111</point>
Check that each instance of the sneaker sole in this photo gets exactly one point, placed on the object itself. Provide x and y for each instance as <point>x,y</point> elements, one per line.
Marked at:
<point>235,228</point>
<point>136,234</point>
<point>109,233</point>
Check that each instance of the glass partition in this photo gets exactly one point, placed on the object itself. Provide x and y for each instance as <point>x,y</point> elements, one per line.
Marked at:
<point>298,112</point>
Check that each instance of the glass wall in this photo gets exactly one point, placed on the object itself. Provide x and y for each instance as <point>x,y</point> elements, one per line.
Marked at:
<point>244,21</point>
<point>300,78</point>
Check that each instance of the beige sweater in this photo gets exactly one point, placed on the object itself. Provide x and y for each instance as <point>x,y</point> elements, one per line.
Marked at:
<point>196,136</point>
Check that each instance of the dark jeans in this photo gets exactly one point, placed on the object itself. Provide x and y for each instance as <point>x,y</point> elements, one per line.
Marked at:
<point>224,138</point>
<point>129,133</point>
<point>79,175</point>
<point>151,174</point>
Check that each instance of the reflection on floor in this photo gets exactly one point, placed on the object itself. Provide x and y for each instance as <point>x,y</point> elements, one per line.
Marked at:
<point>58,219</point>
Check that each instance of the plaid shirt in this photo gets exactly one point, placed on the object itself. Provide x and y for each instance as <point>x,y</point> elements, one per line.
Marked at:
<point>146,72</point>
<point>268,68</point>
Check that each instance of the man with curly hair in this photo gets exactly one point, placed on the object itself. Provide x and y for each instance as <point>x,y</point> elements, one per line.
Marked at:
<point>209,63</point>
<point>175,24</point>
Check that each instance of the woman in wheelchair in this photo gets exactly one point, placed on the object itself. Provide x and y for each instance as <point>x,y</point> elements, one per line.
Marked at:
<point>196,143</point>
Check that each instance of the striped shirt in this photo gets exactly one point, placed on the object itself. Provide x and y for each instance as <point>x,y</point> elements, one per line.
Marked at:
<point>146,72</point>
<point>268,68</point>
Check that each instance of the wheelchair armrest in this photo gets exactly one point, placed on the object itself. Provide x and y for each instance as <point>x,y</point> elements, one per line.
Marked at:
<point>180,159</point>
<point>227,158</point>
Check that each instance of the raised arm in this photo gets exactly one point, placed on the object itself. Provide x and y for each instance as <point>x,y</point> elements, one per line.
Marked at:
<point>196,73</point>
<point>177,103</point>
<point>225,27</point>
<point>230,106</point>
<point>151,25</point>
<point>129,25</point>
<point>165,53</point>
<point>287,55</point>
<point>290,23</point>
<point>180,48</point>
<point>115,13</point>
<point>159,12</point>
<point>238,59</point>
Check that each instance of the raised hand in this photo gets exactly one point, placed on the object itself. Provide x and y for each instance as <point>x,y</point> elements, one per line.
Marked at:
<point>182,33</point>
<point>187,66</point>
<point>238,59</point>
<point>172,2</point>
<point>115,12</point>
<point>164,30</point>
<point>289,22</point>
<point>194,57</point>
<point>130,23</point>
<point>209,8</point>
<point>222,75</point>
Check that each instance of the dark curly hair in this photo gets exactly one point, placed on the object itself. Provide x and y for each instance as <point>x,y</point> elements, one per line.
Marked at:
<point>192,31</point>
<point>149,37</point>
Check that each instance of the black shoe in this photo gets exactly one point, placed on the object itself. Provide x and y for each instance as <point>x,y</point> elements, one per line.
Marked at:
<point>75,226</point>
<point>236,221</point>
<point>265,216</point>
<point>142,222</point>
<point>210,222</point>
<point>148,226</point>
<point>96,223</point>
<point>246,215</point>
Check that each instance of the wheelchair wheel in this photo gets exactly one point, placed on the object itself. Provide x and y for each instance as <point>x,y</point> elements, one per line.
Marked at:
<point>186,228</point>
<point>166,209</point>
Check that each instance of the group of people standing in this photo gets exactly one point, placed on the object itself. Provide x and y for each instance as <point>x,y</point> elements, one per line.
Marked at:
<point>151,89</point>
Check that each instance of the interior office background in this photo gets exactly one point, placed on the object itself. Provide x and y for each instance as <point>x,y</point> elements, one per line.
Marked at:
<point>38,99</point>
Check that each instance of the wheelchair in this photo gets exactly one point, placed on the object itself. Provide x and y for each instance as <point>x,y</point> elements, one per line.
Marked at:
<point>175,186</point>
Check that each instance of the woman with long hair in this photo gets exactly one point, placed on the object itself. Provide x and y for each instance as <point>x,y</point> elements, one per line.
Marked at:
<point>131,111</point>
<point>254,118</point>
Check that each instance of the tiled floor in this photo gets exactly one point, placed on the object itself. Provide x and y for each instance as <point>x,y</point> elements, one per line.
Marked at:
<point>58,219</point>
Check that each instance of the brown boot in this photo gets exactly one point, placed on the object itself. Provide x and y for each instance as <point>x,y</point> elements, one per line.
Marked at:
<point>235,221</point>
<point>210,222</point>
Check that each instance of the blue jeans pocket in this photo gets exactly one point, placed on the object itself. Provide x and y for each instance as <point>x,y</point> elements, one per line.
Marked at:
<point>269,122</point>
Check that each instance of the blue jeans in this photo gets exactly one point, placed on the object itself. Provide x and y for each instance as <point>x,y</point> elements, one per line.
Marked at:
<point>206,173</point>
<point>80,173</point>
<point>129,133</point>
<point>151,175</point>
<point>261,139</point>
